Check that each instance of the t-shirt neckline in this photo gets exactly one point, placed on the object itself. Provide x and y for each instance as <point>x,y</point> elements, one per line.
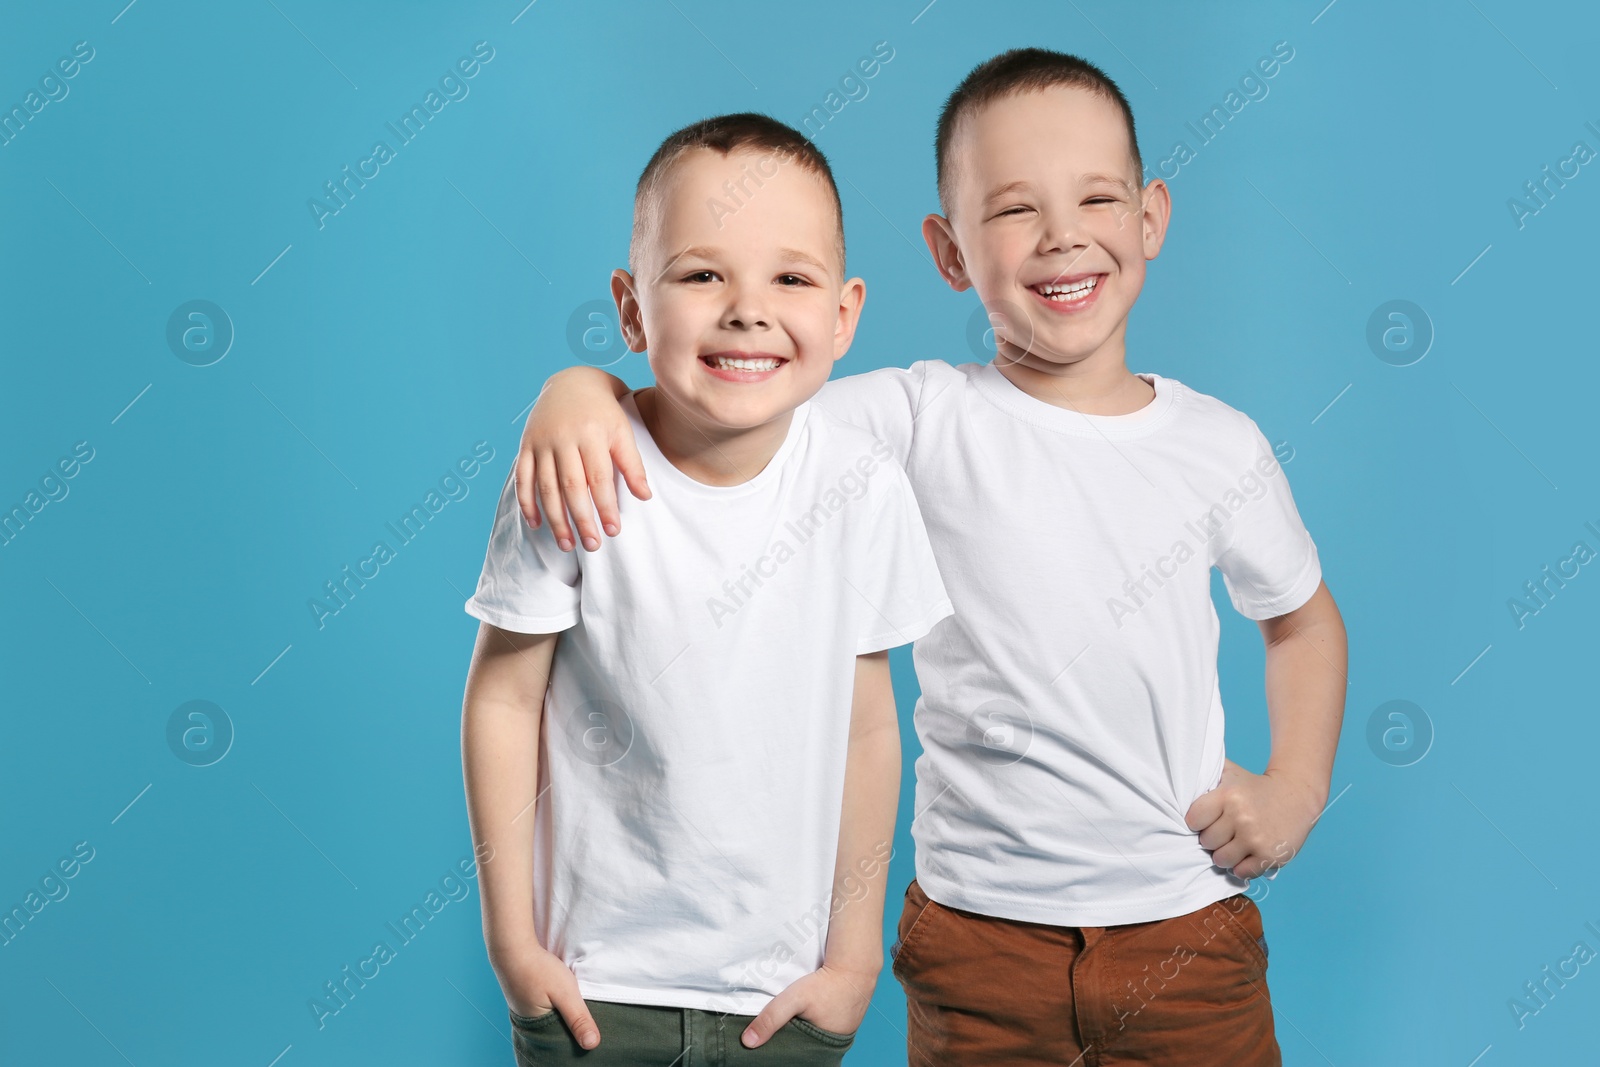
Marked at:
<point>657,460</point>
<point>1004,394</point>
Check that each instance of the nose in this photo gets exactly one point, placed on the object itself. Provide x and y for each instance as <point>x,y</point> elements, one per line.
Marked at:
<point>747,309</point>
<point>1062,234</point>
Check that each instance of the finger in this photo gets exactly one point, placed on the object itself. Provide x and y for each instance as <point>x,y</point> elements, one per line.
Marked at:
<point>625,454</point>
<point>1252,866</point>
<point>1218,834</point>
<point>575,494</point>
<point>602,487</point>
<point>1230,855</point>
<point>550,500</point>
<point>773,1017</point>
<point>1202,813</point>
<point>527,494</point>
<point>575,1013</point>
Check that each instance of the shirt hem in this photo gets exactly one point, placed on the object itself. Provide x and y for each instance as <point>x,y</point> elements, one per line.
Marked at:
<point>951,895</point>
<point>522,624</point>
<point>1297,596</point>
<point>907,634</point>
<point>726,1004</point>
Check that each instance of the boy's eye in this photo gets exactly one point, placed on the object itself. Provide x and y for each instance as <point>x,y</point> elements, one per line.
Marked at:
<point>1102,200</point>
<point>791,280</point>
<point>1013,211</point>
<point>700,276</point>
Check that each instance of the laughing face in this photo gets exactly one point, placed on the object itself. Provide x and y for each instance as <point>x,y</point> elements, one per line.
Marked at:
<point>1049,223</point>
<point>739,295</point>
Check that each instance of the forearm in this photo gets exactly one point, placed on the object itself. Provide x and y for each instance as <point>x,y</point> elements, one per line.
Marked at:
<point>499,754</point>
<point>1306,662</point>
<point>866,831</point>
<point>499,748</point>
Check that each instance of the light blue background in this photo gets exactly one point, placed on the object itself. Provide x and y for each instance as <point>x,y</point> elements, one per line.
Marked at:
<point>422,318</point>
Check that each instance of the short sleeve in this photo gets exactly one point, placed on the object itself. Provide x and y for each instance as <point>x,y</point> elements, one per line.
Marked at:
<point>528,585</point>
<point>1270,564</point>
<point>898,590</point>
<point>882,402</point>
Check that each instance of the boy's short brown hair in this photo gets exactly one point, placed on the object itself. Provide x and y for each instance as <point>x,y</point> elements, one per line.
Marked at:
<point>748,131</point>
<point>1021,70</point>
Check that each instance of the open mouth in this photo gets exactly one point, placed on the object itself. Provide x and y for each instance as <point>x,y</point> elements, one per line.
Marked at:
<point>743,366</point>
<point>1076,290</point>
<point>721,361</point>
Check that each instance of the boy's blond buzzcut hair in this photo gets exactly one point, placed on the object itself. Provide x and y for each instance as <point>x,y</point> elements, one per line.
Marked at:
<point>748,131</point>
<point>1020,70</point>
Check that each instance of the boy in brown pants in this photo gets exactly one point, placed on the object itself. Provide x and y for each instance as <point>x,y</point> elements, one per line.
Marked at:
<point>1082,841</point>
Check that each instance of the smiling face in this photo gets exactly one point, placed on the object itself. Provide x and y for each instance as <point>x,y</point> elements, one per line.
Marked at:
<point>740,296</point>
<point>1049,224</point>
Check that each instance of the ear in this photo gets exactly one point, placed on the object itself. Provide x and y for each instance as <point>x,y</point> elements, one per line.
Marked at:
<point>1157,200</point>
<point>941,238</point>
<point>629,316</point>
<point>851,298</point>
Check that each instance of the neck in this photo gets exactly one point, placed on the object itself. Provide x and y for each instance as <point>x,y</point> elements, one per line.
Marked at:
<point>1098,384</point>
<point>707,452</point>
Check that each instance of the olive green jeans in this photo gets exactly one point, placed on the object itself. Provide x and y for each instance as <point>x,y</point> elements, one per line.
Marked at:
<point>638,1035</point>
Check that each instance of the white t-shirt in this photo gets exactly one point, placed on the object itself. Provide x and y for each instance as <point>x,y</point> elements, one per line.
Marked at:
<point>692,754</point>
<point>1070,712</point>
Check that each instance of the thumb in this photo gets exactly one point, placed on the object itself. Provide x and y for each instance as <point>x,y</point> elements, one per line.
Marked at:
<point>575,1012</point>
<point>783,1007</point>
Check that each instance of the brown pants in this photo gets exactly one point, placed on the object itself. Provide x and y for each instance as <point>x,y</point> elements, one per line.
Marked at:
<point>1189,991</point>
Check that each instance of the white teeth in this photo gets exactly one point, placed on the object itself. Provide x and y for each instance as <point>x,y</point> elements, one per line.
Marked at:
<point>728,363</point>
<point>1068,292</point>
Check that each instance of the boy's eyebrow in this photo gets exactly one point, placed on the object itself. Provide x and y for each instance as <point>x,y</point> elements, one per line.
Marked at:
<point>1088,179</point>
<point>802,257</point>
<point>1109,179</point>
<point>1005,190</point>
